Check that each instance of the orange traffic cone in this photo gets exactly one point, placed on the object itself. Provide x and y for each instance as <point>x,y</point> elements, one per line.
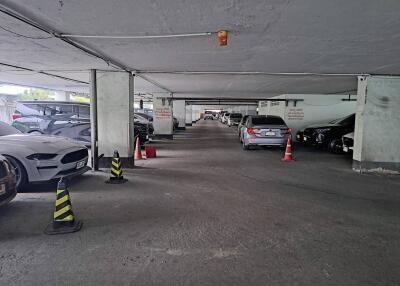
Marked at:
<point>144,155</point>
<point>138,154</point>
<point>288,153</point>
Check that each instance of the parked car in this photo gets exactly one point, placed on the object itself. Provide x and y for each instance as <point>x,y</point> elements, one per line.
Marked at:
<point>142,130</point>
<point>208,116</point>
<point>67,119</point>
<point>234,119</point>
<point>225,118</point>
<point>241,124</point>
<point>221,115</point>
<point>146,116</point>
<point>175,122</point>
<point>348,142</point>
<point>38,158</point>
<point>8,182</point>
<point>264,130</point>
<point>329,135</point>
<point>146,120</point>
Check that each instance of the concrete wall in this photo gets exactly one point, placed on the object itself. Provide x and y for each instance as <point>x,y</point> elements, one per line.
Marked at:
<point>115,113</point>
<point>377,132</point>
<point>314,109</point>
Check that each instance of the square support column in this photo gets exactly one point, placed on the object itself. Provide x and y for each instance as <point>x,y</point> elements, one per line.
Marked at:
<point>115,117</point>
<point>179,108</point>
<point>162,119</point>
<point>377,132</point>
<point>188,121</point>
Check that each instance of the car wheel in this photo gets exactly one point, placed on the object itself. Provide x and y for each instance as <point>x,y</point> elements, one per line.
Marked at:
<point>334,146</point>
<point>36,132</point>
<point>20,173</point>
<point>244,146</point>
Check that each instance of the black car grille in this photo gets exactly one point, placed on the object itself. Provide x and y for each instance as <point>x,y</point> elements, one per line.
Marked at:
<point>75,156</point>
<point>309,132</point>
<point>348,141</point>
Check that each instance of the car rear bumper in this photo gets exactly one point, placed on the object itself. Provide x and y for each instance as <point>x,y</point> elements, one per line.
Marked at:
<point>266,141</point>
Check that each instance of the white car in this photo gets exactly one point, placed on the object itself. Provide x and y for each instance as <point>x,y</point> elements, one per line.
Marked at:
<point>348,142</point>
<point>40,158</point>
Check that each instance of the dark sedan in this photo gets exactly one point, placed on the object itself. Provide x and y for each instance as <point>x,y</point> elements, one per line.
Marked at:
<point>328,135</point>
<point>8,183</point>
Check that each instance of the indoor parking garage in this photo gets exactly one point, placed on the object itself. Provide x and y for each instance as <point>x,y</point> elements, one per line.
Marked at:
<point>199,142</point>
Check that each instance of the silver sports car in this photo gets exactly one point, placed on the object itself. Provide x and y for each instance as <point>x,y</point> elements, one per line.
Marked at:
<point>39,158</point>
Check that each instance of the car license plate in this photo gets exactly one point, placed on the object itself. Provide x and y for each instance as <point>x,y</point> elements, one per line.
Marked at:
<point>81,164</point>
<point>269,133</point>
<point>2,189</point>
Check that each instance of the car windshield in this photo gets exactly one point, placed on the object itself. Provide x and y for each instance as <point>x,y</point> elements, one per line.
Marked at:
<point>267,120</point>
<point>6,129</point>
<point>344,120</point>
<point>236,115</point>
<point>144,115</point>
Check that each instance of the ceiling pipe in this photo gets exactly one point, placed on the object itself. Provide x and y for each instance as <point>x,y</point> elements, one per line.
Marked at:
<point>138,37</point>
<point>44,73</point>
<point>252,73</point>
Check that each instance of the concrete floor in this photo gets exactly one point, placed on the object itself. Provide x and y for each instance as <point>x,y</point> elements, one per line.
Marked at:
<point>206,212</point>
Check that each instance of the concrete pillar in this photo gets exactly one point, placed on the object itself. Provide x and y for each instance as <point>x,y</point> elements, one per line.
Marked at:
<point>376,135</point>
<point>189,110</point>
<point>195,112</point>
<point>162,117</point>
<point>62,96</point>
<point>179,108</point>
<point>115,117</point>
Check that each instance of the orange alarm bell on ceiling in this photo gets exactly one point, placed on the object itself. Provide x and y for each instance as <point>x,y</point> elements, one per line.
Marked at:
<point>222,37</point>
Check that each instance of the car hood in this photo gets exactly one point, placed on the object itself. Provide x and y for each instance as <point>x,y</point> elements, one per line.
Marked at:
<point>349,135</point>
<point>39,143</point>
<point>323,125</point>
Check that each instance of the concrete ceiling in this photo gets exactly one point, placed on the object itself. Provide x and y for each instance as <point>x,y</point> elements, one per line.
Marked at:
<point>317,37</point>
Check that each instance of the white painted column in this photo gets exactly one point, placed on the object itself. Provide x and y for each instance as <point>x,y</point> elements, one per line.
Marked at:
<point>162,117</point>
<point>62,96</point>
<point>377,132</point>
<point>115,117</point>
<point>194,113</point>
<point>189,110</point>
<point>179,108</point>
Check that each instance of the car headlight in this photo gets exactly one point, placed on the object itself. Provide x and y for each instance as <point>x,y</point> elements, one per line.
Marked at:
<point>41,156</point>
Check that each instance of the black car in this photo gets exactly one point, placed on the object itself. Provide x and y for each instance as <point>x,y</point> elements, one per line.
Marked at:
<point>141,130</point>
<point>328,135</point>
<point>8,182</point>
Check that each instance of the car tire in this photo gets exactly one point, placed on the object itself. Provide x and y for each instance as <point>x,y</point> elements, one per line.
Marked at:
<point>36,132</point>
<point>333,146</point>
<point>22,177</point>
<point>244,146</point>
